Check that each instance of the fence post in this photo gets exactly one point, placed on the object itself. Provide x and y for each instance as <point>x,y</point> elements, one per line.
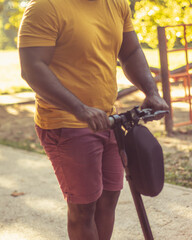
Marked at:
<point>165,76</point>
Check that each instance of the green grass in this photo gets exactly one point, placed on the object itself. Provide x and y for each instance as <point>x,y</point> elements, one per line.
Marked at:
<point>178,169</point>
<point>25,145</point>
<point>16,89</point>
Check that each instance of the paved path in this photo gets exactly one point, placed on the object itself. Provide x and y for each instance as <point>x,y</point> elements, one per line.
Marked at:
<point>23,97</point>
<point>40,214</point>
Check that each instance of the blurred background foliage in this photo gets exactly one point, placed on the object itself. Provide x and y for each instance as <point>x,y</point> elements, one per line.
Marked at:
<point>147,15</point>
<point>11,12</point>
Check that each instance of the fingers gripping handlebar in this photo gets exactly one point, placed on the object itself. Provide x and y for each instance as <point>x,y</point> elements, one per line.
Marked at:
<point>133,116</point>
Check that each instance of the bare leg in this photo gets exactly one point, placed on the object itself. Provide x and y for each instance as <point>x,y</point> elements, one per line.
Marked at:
<point>81,222</point>
<point>105,214</point>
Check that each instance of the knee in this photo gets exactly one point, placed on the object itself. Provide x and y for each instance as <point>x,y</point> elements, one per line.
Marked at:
<point>108,201</point>
<point>82,213</point>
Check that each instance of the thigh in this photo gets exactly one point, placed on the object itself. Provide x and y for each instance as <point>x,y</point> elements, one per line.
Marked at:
<point>112,168</point>
<point>76,156</point>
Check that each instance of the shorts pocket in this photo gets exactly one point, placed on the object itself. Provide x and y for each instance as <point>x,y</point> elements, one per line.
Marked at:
<point>48,136</point>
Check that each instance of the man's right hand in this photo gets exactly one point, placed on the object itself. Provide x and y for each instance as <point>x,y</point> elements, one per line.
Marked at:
<point>96,119</point>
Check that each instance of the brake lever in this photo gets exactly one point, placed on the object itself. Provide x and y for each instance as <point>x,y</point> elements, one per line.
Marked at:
<point>145,112</point>
<point>153,116</point>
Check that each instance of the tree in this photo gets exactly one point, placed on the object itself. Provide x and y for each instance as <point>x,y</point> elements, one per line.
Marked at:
<point>11,12</point>
<point>147,15</point>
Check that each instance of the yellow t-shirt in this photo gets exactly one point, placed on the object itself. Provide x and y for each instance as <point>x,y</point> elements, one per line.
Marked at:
<point>87,35</point>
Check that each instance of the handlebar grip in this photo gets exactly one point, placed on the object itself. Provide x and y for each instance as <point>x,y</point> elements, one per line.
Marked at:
<point>114,119</point>
<point>159,112</point>
<point>155,116</point>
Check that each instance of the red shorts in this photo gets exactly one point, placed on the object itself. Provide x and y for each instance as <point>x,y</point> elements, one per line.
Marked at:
<point>85,163</point>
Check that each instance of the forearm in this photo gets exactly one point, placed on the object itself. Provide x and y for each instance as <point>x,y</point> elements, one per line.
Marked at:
<point>42,80</point>
<point>136,69</point>
<point>35,70</point>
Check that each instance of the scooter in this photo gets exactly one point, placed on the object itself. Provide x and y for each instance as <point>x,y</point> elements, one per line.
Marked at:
<point>123,124</point>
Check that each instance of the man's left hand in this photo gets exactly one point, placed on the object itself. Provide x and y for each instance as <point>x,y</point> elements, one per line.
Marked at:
<point>155,102</point>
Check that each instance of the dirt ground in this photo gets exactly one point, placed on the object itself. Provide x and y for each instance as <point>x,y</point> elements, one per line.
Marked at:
<point>17,129</point>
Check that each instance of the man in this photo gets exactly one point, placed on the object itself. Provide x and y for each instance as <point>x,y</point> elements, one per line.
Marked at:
<point>68,52</point>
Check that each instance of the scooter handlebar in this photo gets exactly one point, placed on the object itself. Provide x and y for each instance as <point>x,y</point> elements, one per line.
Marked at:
<point>135,115</point>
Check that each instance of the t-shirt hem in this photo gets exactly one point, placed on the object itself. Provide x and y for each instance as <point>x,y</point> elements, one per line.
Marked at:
<point>49,125</point>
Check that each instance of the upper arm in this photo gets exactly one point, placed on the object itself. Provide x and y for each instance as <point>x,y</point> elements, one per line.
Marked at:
<point>33,56</point>
<point>129,45</point>
<point>38,33</point>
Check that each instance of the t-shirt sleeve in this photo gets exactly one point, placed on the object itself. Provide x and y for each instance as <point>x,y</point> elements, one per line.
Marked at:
<point>128,25</point>
<point>39,25</point>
